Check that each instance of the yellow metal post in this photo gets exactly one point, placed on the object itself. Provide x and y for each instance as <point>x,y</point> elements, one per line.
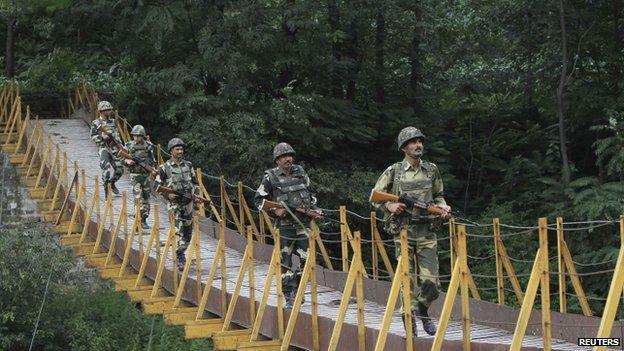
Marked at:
<point>615,292</point>
<point>344,227</point>
<point>576,282</point>
<point>244,264</point>
<point>374,254</point>
<point>382,251</point>
<point>510,271</point>
<point>316,232</point>
<point>500,282</point>
<point>527,304</point>
<point>561,267</point>
<point>452,242</point>
<point>465,303</point>
<point>354,277</point>
<point>169,244</point>
<point>447,308</point>
<point>122,221</point>
<point>102,223</point>
<point>399,286</point>
<point>193,256</point>
<point>305,279</point>
<point>274,272</point>
<point>545,284</point>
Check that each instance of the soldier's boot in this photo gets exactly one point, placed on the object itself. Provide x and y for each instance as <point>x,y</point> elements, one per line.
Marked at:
<point>144,224</point>
<point>428,325</point>
<point>181,262</point>
<point>414,326</point>
<point>105,185</point>
<point>114,188</point>
<point>290,298</point>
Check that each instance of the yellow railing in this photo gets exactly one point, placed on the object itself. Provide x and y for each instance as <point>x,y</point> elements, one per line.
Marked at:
<point>77,215</point>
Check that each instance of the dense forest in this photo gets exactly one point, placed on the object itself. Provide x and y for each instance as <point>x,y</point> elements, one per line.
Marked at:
<point>47,302</point>
<point>521,101</point>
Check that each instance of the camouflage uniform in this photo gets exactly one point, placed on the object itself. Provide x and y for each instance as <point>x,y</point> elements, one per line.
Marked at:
<point>110,163</point>
<point>294,190</point>
<point>144,151</point>
<point>424,183</point>
<point>180,177</point>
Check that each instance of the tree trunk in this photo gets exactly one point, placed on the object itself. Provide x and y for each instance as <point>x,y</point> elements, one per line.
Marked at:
<point>529,47</point>
<point>352,53</point>
<point>565,168</point>
<point>334,21</point>
<point>9,71</point>
<point>380,41</point>
<point>286,72</point>
<point>618,36</point>
<point>210,84</point>
<point>415,66</point>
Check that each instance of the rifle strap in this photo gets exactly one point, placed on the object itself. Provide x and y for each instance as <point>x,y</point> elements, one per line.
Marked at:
<point>397,174</point>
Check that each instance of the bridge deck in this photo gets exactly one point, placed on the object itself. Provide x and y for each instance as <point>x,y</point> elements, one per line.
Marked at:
<point>73,137</point>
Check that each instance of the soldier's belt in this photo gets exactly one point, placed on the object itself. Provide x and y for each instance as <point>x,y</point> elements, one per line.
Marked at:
<point>420,220</point>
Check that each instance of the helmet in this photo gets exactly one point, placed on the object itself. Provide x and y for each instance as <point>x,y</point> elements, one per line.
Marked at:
<point>408,133</point>
<point>138,130</point>
<point>175,142</point>
<point>104,105</point>
<point>282,149</point>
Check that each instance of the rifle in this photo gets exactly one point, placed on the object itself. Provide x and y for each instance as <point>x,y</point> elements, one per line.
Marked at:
<point>164,189</point>
<point>378,196</point>
<point>111,137</point>
<point>123,153</point>
<point>267,204</point>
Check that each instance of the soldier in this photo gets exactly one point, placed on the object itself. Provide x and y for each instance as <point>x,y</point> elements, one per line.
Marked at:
<point>421,179</point>
<point>104,133</point>
<point>142,150</point>
<point>179,175</point>
<point>289,183</point>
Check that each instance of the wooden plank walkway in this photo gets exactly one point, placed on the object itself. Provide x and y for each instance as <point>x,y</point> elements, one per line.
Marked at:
<point>73,138</point>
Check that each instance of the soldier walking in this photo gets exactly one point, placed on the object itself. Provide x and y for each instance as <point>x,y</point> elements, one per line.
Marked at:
<point>104,133</point>
<point>143,151</point>
<point>420,179</point>
<point>288,182</point>
<point>179,175</point>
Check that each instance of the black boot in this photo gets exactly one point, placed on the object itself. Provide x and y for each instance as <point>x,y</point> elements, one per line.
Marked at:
<point>428,325</point>
<point>181,260</point>
<point>105,185</point>
<point>144,224</point>
<point>114,188</point>
<point>290,298</point>
<point>414,326</point>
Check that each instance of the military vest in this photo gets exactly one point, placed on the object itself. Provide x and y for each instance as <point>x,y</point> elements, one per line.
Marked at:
<point>179,177</point>
<point>111,127</point>
<point>292,189</point>
<point>419,188</point>
<point>142,151</point>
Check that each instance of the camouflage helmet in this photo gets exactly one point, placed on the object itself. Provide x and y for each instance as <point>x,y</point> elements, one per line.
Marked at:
<point>282,149</point>
<point>138,130</point>
<point>104,106</point>
<point>408,133</point>
<point>175,142</point>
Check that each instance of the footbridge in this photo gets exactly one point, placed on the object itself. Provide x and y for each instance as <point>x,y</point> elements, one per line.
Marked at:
<point>351,292</point>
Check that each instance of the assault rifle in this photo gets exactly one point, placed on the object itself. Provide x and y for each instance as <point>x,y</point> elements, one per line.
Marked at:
<point>125,154</point>
<point>267,204</point>
<point>410,201</point>
<point>111,137</point>
<point>188,196</point>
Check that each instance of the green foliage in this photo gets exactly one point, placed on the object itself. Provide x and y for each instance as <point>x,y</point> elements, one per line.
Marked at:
<point>80,311</point>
